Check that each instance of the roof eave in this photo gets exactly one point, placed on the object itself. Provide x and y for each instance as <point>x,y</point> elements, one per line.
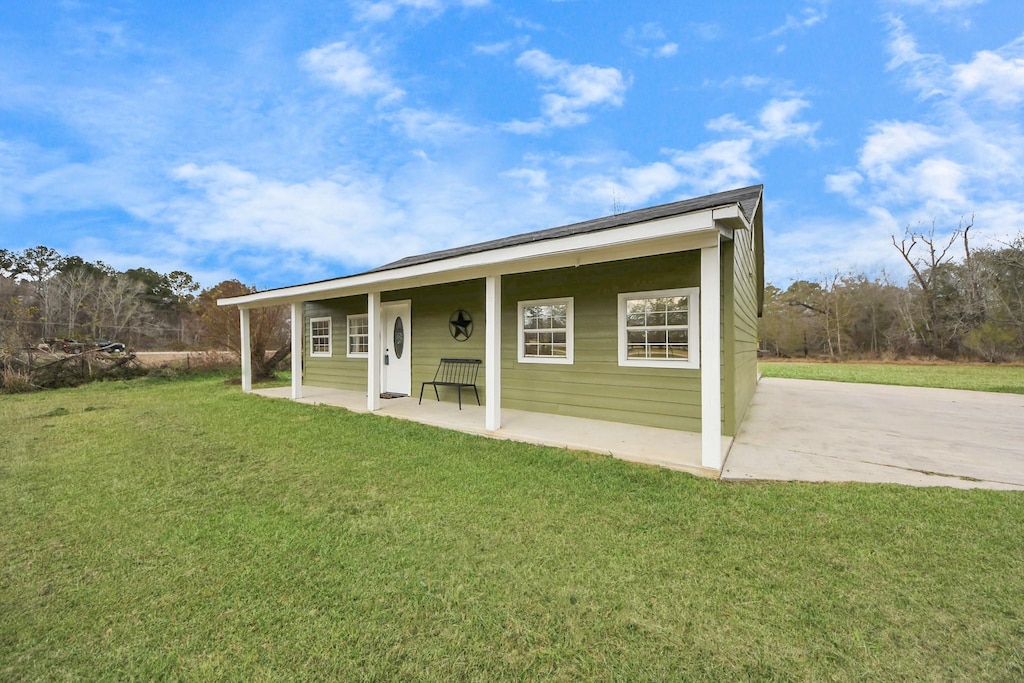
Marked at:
<point>518,258</point>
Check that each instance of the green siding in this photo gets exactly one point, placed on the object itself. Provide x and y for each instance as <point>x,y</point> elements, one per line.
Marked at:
<point>431,340</point>
<point>743,308</point>
<point>728,336</point>
<point>428,340</point>
<point>339,371</point>
<point>594,386</point>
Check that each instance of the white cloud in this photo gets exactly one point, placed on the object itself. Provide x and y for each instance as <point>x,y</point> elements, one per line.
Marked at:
<point>779,122</point>
<point>650,40</point>
<point>961,156</point>
<point>575,88</point>
<point>719,165</point>
<point>354,218</point>
<point>350,69</point>
<point>328,217</point>
<point>667,50</point>
<point>844,183</point>
<point>632,187</point>
<point>13,168</point>
<point>535,179</point>
<point>429,126</point>
<point>926,73</point>
<point>386,9</point>
<point>811,15</point>
<point>937,5</point>
<point>711,166</point>
<point>715,166</point>
<point>891,142</point>
<point>748,82</point>
<point>994,75</point>
<point>503,47</point>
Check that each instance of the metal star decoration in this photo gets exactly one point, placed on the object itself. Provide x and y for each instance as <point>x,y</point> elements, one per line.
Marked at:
<point>460,324</point>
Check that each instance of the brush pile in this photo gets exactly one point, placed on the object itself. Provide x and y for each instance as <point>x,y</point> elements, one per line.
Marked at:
<point>45,368</point>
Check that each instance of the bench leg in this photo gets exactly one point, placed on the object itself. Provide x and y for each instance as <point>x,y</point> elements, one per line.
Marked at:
<point>477,394</point>
<point>460,397</point>
<point>437,394</point>
<point>422,387</point>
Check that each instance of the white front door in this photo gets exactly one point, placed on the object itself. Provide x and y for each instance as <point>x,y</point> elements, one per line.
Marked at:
<point>397,348</point>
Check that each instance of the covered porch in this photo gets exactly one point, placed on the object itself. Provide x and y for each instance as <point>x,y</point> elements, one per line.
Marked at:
<point>676,409</point>
<point>669,448</point>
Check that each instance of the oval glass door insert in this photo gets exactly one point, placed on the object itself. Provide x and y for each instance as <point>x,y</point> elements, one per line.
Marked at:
<point>399,337</point>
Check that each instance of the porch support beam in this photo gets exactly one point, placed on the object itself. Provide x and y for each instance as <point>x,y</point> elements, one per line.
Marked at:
<point>373,364</point>
<point>246,350</point>
<point>710,358</point>
<point>297,339</point>
<point>492,353</point>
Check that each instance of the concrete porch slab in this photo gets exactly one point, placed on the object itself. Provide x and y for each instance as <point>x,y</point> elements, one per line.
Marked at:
<point>670,448</point>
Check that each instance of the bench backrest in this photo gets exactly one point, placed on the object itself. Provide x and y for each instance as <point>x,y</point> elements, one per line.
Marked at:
<point>457,371</point>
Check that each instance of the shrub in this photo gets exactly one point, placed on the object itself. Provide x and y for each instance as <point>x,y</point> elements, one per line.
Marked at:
<point>992,341</point>
<point>15,381</point>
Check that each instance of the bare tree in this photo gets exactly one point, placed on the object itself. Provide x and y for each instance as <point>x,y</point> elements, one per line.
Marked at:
<point>118,306</point>
<point>72,287</point>
<point>946,309</point>
<point>221,326</point>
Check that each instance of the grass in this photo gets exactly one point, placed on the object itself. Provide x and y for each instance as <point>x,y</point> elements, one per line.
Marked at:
<point>181,530</point>
<point>1000,378</point>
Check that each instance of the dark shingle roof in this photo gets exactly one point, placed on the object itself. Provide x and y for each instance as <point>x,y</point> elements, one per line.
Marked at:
<point>748,198</point>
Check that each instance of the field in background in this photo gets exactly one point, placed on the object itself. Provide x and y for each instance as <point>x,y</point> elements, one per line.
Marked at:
<point>177,529</point>
<point>973,376</point>
<point>187,358</point>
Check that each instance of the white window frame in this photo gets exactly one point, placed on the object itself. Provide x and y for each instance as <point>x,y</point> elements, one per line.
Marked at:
<point>547,360</point>
<point>330,338</point>
<point>348,336</point>
<point>693,324</point>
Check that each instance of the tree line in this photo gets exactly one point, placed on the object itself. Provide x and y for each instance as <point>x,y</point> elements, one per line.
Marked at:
<point>45,295</point>
<point>954,302</point>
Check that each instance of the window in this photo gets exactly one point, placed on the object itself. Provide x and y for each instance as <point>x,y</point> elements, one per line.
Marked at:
<point>545,331</point>
<point>660,328</point>
<point>358,336</point>
<point>320,337</point>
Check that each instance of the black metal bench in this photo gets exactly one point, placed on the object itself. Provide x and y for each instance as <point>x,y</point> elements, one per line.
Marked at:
<point>455,372</point>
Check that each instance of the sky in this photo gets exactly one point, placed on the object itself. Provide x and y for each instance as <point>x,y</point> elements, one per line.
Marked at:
<point>287,142</point>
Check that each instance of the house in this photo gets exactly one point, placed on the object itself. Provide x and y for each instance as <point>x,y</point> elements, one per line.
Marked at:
<point>647,318</point>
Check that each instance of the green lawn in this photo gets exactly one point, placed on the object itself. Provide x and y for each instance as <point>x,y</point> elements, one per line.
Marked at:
<point>1002,378</point>
<point>181,530</point>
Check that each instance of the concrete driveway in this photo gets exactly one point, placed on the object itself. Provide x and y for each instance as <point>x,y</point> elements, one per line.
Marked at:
<point>806,430</point>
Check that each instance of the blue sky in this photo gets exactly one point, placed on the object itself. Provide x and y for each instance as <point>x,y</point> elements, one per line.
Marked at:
<point>285,142</point>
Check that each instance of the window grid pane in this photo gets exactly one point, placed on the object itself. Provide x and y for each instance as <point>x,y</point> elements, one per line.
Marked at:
<point>545,330</point>
<point>358,334</point>
<point>658,328</point>
<point>320,336</point>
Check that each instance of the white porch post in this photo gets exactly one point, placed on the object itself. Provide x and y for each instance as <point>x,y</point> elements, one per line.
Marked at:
<point>710,358</point>
<point>246,350</point>
<point>373,359</point>
<point>492,353</point>
<point>297,334</point>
